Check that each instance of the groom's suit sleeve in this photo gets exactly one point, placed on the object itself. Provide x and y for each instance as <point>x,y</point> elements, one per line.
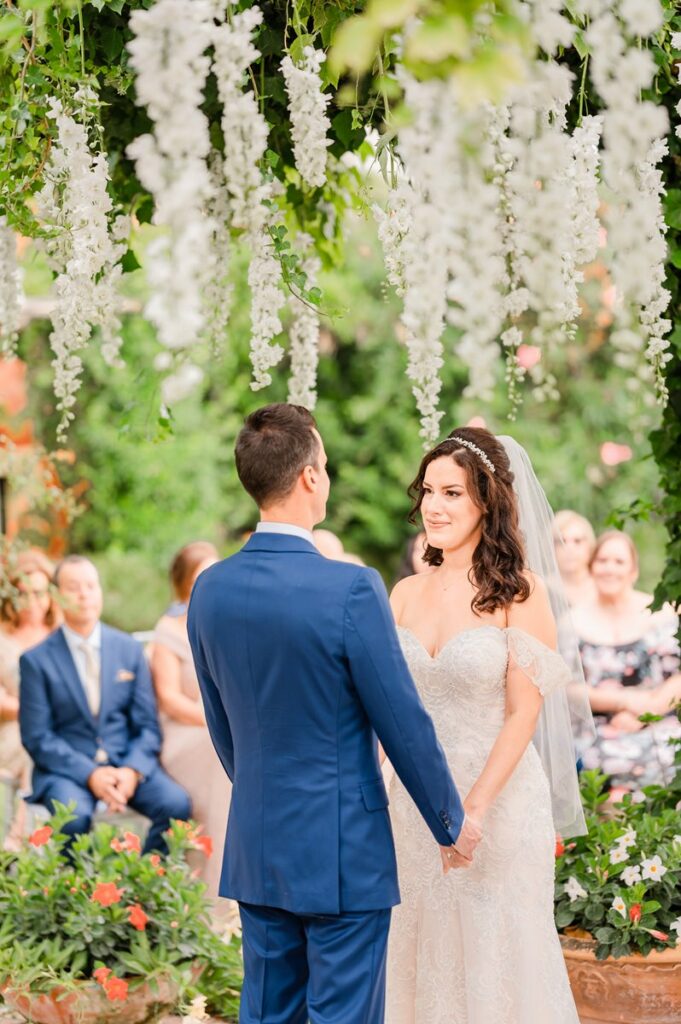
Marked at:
<point>216,716</point>
<point>393,706</point>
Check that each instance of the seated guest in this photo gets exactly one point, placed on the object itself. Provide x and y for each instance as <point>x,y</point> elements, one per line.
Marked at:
<point>574,541</point>
<point>631,664</point>
<point>88,716</point>
<point>187,753</point>
<point>25,620</point>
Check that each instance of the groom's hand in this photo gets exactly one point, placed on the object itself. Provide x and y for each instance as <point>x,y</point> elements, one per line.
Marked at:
<point>468,838</point>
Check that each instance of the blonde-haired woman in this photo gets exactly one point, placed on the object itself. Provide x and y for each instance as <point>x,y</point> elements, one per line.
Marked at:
<point>187,753</point>
<point>574,540</point>
<point>26,618</point>
<point>631,663</point>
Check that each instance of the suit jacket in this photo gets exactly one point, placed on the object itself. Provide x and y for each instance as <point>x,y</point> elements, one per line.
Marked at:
<point>300,669</point>
<point>58,729</point>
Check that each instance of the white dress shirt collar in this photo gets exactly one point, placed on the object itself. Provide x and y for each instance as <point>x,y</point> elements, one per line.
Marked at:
<point>74,640</point>
<point>287,528</point>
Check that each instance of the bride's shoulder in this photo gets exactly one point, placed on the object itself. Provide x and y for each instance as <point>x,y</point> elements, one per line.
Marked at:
<point>407,590</point>
<point>534,615</point>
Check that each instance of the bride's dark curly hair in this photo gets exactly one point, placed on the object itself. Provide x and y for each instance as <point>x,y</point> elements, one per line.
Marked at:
<point>499,559</point>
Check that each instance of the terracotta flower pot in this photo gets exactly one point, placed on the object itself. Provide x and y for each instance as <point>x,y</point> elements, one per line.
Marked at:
<point>90,1005</point>
<point>632,990</point>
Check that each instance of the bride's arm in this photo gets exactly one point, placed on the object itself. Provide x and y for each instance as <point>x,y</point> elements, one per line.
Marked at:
<point>523,704</point>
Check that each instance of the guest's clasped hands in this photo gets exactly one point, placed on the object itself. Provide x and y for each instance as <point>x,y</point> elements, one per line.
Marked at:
<point>115,786</point>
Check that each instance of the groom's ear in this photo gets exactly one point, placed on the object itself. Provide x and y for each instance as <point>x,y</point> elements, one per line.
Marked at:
<point>309,477</point>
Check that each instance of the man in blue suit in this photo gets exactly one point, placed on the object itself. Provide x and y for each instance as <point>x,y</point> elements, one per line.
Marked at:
<point>88,716</point>
<point>300,670</point>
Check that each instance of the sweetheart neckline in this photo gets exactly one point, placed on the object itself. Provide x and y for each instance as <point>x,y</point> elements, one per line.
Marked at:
<point>462,632</point>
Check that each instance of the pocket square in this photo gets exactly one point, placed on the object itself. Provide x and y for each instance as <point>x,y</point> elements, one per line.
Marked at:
<point>124,676</point>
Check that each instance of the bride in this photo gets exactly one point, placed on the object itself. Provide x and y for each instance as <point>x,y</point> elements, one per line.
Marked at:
<point>480,636</point>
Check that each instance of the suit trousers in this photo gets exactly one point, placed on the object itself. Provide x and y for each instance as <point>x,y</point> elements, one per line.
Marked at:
<point>326,969</point>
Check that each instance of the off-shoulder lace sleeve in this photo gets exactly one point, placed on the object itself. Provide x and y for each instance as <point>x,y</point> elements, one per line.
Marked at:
<point>542,666</point>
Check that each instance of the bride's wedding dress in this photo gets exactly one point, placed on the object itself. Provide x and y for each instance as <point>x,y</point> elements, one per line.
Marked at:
<point>478,945</point>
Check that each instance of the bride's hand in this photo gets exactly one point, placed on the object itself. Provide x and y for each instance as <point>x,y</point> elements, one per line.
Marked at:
<point>451,859</point>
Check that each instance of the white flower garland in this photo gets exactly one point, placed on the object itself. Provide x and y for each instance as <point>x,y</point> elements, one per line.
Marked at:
<point>219,289</point>
<point>304,336</point>
<point>168,56</point>
<point>74,202</point>
<point>11,294</point>
<point>307,107</point>
<point>251,197</point>
<point>634,140</point>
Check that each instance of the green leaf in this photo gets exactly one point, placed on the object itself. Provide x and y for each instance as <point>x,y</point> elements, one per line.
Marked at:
<point>438,38</point>
<point>129,262</point>
<point>355,45</point>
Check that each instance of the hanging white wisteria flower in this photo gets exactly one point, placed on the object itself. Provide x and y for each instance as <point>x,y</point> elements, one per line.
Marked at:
<point>634,132</point>
<point>393,226</point>
<point>424,151</point>
<point>307,107</point>
<point>167,53</point>
<point>10,289</point>
<point>218,289</point>
<point>74,206</point>
<point>304,335</point>
<point>251,196</point>
<point>267,298</point>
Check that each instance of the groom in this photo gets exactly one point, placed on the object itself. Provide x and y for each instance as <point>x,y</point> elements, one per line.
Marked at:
<point>300,670</point>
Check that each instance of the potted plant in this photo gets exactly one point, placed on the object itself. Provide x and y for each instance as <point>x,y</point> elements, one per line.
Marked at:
<point>618,905</point>
<point>97,932</point>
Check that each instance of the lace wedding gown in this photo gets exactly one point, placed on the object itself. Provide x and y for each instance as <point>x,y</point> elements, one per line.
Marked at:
<point>478,945</point>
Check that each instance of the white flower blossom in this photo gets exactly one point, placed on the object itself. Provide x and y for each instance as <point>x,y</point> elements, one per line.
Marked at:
<point>641,17</point>
<point>74,206</point>
<point>251,197</point>
<point>631,875</point>
<point>634,132</point>
<point>574,890</point>
<point>618,855</point>
<point>197,1011</point>
<point>304,336</point>
<point>167,52</point>
<point>218,288</point>
<point>180,383</point>
<point>619,905</point>
<point>307,107</point>
<point>11,294</point>
<point>653,868</point>
<point>628,838</point>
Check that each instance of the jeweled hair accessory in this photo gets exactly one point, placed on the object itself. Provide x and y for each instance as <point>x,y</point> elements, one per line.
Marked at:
<point>478,451</point>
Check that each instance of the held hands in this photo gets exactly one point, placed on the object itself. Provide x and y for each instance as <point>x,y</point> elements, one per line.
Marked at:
<point>460,855</point>
<point>115,786</point>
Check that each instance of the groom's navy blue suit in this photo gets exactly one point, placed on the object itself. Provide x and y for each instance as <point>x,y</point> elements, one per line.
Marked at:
<point>300,669</point>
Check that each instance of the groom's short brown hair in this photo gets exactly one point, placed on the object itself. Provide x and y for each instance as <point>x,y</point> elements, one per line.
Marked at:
<point>272,449</point>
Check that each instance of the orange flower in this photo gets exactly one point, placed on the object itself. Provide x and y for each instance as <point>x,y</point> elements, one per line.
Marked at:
<point>662,936</point>
<point>160,872</point>
<point>101,974</point>
<point>106,893</point>
<point>560,846</point>
<point>173,924</point>
<point>635,912</point>
<point>40,836</point>
<point>73,889</point>
<point>116,989</point>
<point>117,845</point>
<point>154,860</point>
<point>132,842</point>
<point>204,843</point>
<point>137,918</point>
